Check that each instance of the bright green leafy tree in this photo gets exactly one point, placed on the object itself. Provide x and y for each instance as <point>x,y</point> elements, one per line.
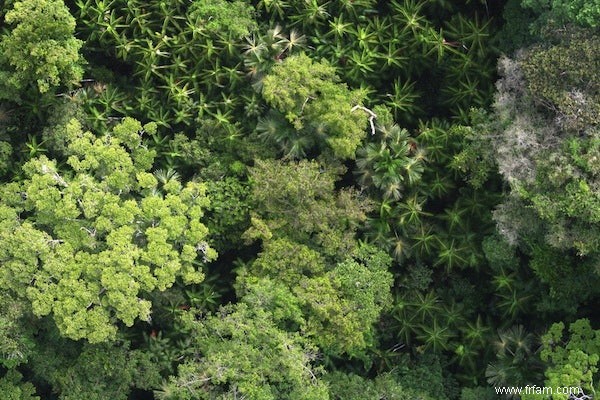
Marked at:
<point>242,354</point>
<point>84,243</point>
<point>573,361</point>
<point>320,109</point>
<point>335,306</point>
<point>312,274</point>
<point>39,50</point>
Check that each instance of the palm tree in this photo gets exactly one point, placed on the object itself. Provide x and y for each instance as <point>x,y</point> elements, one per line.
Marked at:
<point>214,76</point>
<point>381,28</point>
<point>177,92</point>
<point>453,313</point>
<point>450,255</point>
<point>338,28</point>
<point>513,303</point>
<point>515,363</point>
<point>171,17</point>
<point>455,217</point>
<point>311,15</point>
<point>252,104</point>
<point>167,177</point>
<point>294,42</point>
<point>435,336</point>
<point>161,115</point>
<point>262,52</point>
<point>354,8</point>
<point>435,136</point>
<point>504,281</point>
<point>427,306</point>
<point>402,100</point>
<point>275,128</point>
<point>477,333</point>
<point>365,37</point>
<point>360,64</point>
<point>470,33</point>
<point>136,18</point>
<point>403,314</point>
<point>401,248</point>
<point>407,14</point>
<point>230,47</point>
<point>229,101</point>
<point>477,203</point>
<point>410,211</point>
<point>183,115</point>
<point>210,50</point>
<point>147,98</point>
<point>392,57</point>
<point>463,93</point>
<point>274,7</point>
<point>424,241</point>
<point>379,231</point>
<point>33,147</point>
<point>108,98</point>
<point>439,186</point>
<point>435,44</point>
<point>465,355</point>
<point>387,165</point>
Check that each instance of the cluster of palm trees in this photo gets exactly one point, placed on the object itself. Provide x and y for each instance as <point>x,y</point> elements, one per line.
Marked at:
<point>182,70</point>
<point>420,63</point>
<point>405,45</point>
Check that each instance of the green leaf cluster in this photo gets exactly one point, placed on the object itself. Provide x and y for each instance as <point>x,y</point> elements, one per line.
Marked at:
<point>320,108</point>
<point>217,16</point>
<point>582,12</point>
<point>85,242</point>
<point>39,50</point>
<point>95,371</point>
<point>242,353</point>
<point>298,200</point>
<point>334,306</point>
<point>573,361</point>
<point>312,274</point>
<point>12,388</point>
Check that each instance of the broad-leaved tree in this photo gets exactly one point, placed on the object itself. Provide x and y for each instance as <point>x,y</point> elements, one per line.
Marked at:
<point>85,242</point>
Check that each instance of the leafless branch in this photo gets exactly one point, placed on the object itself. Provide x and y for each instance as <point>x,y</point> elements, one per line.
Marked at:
<point>372,116</point>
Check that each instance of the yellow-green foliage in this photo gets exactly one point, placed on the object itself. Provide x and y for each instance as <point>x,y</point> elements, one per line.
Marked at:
<point>335,305</point>
<point>86,242</point>
<point>40,49</point>
<point>244,355</point>
<point>314,101</point>
<point>573,362</point>
<point>299,200</point>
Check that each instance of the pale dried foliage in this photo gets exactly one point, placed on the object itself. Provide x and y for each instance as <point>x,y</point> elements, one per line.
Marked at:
<point>515,220</point>
<point>524,131</point>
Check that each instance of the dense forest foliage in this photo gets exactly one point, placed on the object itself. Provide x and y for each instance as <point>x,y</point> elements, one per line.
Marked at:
<point>299,199</point>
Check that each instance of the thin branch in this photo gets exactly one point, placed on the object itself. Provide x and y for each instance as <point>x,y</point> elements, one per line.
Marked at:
<point>306,101</point>
<point>372,116</point>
